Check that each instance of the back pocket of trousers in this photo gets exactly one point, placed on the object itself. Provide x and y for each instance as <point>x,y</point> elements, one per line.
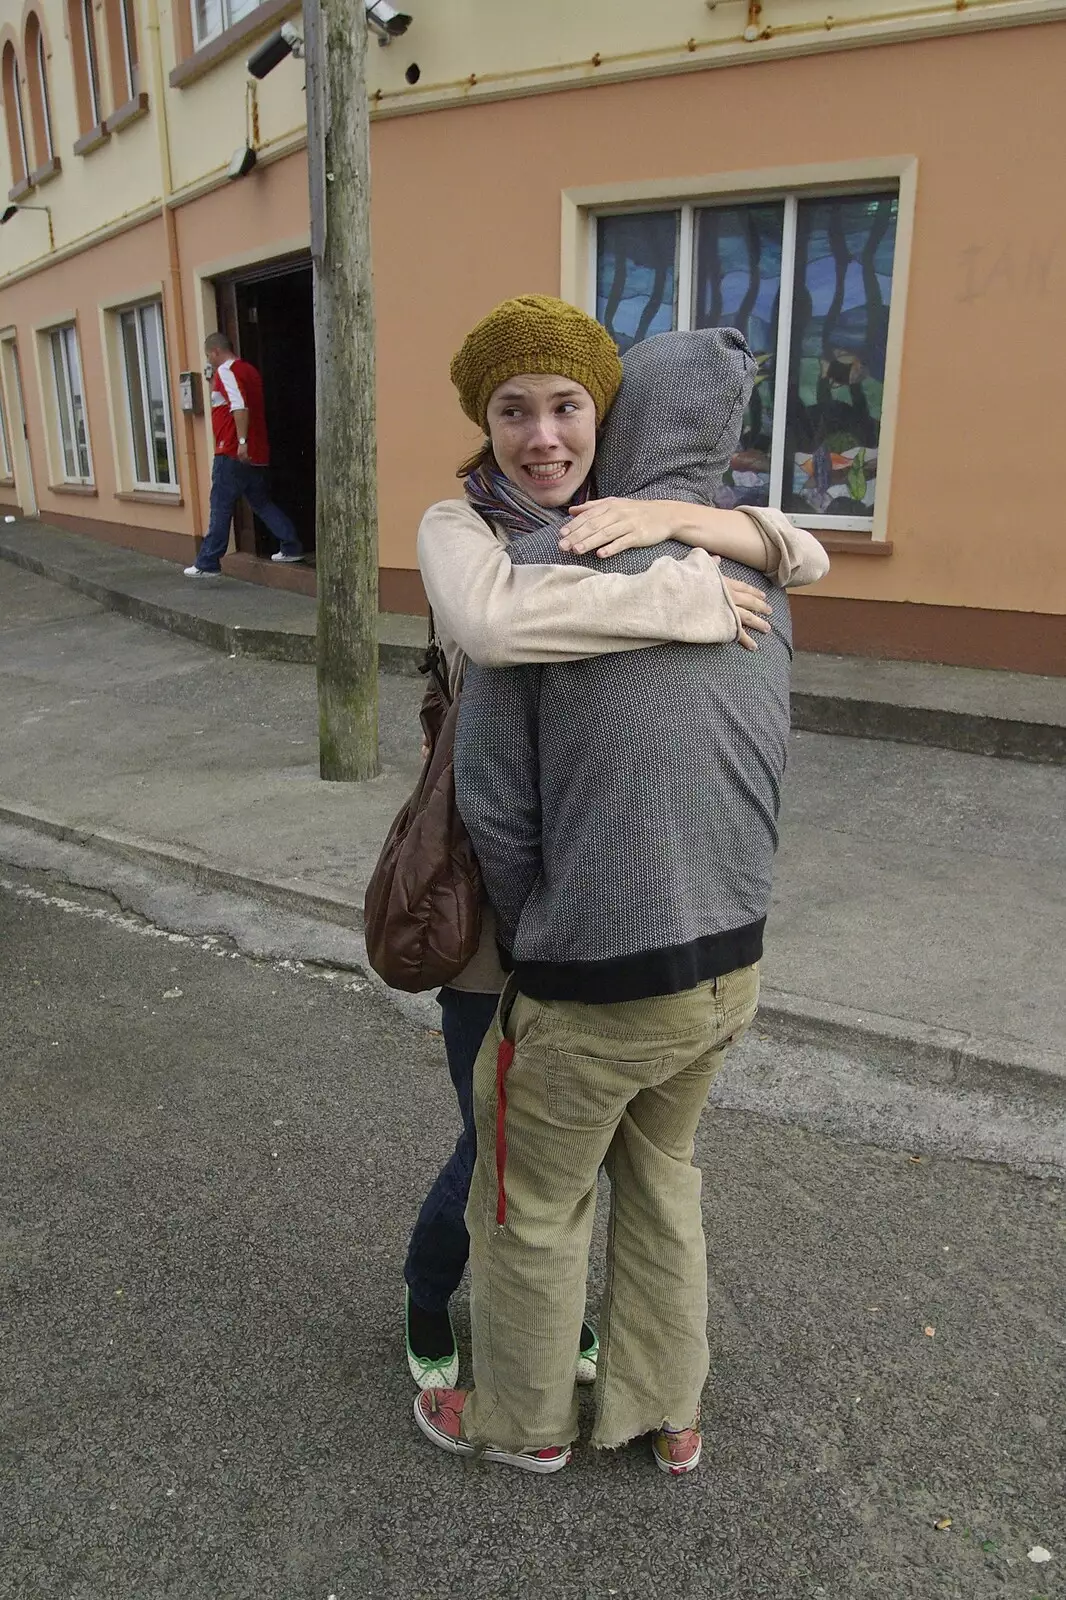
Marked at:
<point>590,1091</point>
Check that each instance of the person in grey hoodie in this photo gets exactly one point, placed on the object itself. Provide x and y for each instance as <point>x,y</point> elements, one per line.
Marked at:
<point>494,613</point>
<point>623,810</point>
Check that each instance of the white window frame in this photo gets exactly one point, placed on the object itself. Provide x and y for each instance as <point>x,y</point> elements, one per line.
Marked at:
<point>7,462</point>
<point>92,65</point>
<point>46,104</point>
<point>20,119</point>
<point>62,341</point>
<point>582,208</point>
<point>227,20</point>
<point>137,311</point>
<point>127,50</point>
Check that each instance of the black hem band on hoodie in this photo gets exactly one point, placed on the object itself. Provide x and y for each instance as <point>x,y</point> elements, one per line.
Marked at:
<point>644,976</point>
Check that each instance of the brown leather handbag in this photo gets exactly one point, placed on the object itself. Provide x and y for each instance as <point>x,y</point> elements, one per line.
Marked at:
<point>422,912</point>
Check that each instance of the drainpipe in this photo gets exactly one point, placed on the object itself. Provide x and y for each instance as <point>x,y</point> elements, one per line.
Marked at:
<point>170,229</point>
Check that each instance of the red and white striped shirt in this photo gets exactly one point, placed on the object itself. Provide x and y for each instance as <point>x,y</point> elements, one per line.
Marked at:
<point>237,386</point>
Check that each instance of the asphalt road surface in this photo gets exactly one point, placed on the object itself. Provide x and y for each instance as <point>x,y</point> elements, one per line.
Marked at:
<point>209,1167</point>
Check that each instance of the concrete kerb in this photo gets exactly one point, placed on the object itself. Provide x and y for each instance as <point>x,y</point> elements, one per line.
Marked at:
<point>915,1053</point>
<point>966,731</point>
<point>268,643</point>
<point>896,1050</point>
<point>193,871</point>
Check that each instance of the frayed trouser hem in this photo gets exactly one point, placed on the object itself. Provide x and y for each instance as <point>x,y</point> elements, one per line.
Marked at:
<point>643,1433</point>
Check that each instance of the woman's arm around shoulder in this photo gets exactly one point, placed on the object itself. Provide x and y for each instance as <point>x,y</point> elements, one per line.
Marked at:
<point>794,556</point>
<point>502,615</point>
<point>764,540</point>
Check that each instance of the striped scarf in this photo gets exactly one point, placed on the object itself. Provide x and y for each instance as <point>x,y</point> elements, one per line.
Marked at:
<point>505,505</point>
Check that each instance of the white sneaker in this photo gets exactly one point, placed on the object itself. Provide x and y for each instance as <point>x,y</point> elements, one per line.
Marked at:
<point>198,572</point>
<point>286,561</point>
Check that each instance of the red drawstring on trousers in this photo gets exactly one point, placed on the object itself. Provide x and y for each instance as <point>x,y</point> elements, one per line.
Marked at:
<point>504,1057</point>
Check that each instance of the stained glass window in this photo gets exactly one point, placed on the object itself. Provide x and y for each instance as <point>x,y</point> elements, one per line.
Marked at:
<point>808,281</point>
<point>636,275</point>
<point>738,285</point>
<point>844,254</point>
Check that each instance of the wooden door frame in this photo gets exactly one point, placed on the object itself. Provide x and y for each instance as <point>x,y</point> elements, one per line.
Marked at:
<point>18,424</point>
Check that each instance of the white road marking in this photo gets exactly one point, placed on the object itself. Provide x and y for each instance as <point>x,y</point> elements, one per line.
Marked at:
<point>207,943</point>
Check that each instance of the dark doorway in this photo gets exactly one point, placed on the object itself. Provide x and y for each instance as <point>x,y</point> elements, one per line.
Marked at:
<point>269,315</point>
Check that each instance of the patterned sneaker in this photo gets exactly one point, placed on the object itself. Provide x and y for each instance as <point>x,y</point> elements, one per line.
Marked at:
<point>439,1414</point>
<point>431,1349</point>
<point>201,572</point>
<point>588,1355</point>
<point>677,1450</point>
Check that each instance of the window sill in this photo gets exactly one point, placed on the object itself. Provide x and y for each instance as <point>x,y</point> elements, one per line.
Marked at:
<point>92,140</point>
<point>45,174</point>
<point>132,111</point>
<point>852,544</point>
<point>152,497</point>
<point>230,41</point>
<point>21,189</point>
<point>87,490</point>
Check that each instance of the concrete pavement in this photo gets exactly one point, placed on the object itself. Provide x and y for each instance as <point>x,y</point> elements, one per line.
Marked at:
<point>238,618</point>
<point>984,713</point>
<point>210,1165</point>
<point>920,893</point>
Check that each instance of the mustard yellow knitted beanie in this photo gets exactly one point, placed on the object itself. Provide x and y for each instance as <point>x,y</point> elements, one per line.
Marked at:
<point>535,333</point>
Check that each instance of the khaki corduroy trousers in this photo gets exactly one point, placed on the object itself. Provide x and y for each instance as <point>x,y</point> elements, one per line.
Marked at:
<point>561,1088</point>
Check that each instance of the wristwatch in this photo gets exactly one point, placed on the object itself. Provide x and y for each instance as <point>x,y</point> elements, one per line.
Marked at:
<point>241,441</point>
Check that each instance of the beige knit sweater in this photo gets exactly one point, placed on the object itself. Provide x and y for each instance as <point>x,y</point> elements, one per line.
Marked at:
<point>499,615</point>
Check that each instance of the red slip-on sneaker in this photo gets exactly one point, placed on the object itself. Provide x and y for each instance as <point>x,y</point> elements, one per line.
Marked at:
<point>439,1414</point>
<point>677,1450</point>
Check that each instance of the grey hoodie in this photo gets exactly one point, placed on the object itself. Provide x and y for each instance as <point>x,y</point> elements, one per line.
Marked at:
<point>624,809</point>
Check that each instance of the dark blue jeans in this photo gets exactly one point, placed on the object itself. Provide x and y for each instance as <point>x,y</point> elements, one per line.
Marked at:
<point>440,1243</point>
<point>230,479</point>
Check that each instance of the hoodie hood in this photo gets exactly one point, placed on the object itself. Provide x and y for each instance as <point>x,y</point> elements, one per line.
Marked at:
<point>675,424</point>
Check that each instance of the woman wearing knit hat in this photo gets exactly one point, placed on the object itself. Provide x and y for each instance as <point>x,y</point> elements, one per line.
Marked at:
<point>538,376</point>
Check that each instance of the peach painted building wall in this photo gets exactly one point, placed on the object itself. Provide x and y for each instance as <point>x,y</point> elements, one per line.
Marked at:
<point>971,524</point>
<point>477,194</point>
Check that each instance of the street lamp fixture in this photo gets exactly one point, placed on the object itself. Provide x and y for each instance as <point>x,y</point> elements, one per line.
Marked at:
<point>241,162</point>
<point>12,211</point>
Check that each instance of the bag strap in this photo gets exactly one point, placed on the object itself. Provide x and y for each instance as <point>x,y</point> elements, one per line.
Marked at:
<point>433,662</point>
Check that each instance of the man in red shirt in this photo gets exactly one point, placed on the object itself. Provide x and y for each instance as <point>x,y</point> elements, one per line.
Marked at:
<point>242,453</point>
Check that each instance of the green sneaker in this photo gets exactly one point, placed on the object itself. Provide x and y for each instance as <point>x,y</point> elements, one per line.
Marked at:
<point>588,1355</point>
<point>432,1354</point>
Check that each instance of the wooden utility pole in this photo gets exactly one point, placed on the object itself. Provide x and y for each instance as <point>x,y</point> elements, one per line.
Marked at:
<point>338,156</point>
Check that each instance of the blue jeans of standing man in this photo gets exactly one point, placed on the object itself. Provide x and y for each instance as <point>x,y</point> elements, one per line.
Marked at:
<point>440,1243</point>
<point>230,479</point>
